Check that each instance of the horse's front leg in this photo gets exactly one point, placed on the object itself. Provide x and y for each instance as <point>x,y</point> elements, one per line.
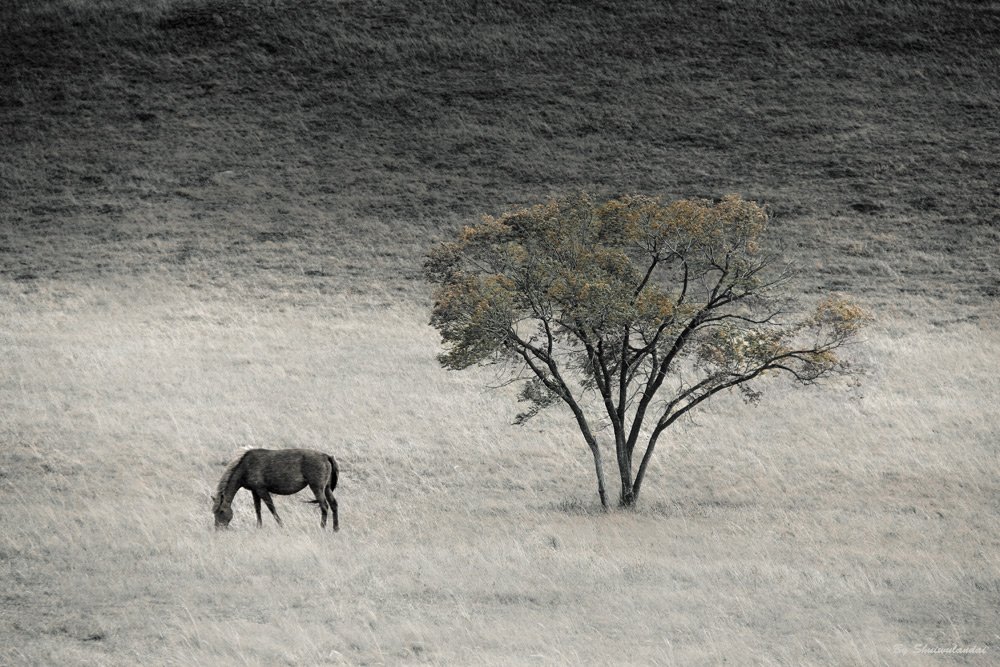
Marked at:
<point>266,497</point>
<point>256,507</point>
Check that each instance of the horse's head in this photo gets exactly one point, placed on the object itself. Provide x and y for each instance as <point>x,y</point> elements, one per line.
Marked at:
<point>223,513</point>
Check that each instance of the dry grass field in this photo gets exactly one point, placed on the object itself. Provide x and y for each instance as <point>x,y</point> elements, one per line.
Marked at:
<point>212,219</point>
<point>818,528</point>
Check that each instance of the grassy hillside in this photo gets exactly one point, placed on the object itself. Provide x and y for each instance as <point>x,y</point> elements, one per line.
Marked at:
<point>212,219</point>
<point>336,139</point>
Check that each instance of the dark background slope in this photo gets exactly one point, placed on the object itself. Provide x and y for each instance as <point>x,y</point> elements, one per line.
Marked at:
<point>299,143</point>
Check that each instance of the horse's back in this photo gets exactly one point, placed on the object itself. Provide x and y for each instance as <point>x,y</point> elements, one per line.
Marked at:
<point>285,471</point>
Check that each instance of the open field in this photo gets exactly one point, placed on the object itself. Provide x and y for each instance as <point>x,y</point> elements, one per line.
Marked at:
<point>821,527</point>
<point>212,219</point>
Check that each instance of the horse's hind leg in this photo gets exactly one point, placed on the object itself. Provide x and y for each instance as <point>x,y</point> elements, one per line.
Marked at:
<point>333,507</point>
<point>266,497</point>
<point>256,507</point>
<point>321,501</point>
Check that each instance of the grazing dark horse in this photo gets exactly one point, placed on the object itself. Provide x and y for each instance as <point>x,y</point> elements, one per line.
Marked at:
<point>281,471</point>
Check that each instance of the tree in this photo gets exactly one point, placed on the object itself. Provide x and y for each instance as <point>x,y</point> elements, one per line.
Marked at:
<point>631,313</point>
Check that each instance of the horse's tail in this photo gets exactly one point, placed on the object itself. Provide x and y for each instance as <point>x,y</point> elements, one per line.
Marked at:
<point>334,473</point>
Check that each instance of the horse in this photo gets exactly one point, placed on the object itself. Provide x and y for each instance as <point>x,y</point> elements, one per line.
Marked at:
<point>281,471</point>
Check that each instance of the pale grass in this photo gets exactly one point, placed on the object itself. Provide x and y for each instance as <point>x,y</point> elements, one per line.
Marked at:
<point>821,527</point>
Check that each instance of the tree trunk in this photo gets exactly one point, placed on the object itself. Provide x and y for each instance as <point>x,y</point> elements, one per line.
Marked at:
<point>599,464</point>
<point>641,472</point>
<point>628,494</point>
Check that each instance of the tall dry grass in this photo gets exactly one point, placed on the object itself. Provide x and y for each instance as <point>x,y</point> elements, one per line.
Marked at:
<point>825,527</point>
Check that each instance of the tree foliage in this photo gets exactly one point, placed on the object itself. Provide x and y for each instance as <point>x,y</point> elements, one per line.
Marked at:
<point>648,308</point>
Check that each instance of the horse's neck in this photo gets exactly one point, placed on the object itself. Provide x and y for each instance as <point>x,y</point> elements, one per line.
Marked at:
<point>233,484</point>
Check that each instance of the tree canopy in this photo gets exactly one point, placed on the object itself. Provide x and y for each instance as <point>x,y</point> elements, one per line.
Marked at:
<point>649,307</point>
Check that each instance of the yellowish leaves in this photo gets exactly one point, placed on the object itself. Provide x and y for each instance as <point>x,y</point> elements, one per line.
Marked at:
<point>728,226</point>
<point>733,223</point>
<point>473,314</point>
<point>490,230</point>
<point>825,359</point>
<point>581,295</point>
<point>655,307</point>
<point>596,265</point>
<point>844,316</point>
<point>739,349</point>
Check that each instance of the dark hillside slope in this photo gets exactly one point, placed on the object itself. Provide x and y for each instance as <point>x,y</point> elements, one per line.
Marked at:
<point>331,141</point>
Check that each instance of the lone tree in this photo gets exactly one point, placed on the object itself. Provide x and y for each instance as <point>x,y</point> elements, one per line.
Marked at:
<point>631,312</point>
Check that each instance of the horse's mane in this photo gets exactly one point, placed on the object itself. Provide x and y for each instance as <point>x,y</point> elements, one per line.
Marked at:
<point>224,481</point>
